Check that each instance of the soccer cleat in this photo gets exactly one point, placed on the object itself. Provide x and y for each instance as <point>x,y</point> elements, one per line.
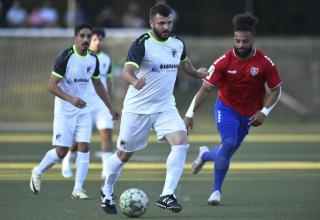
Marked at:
<point>169,202</point>
<point>35,182</point>
<point>108,206</point>
<point>79,194</point>
<point>66,169</point>
<point>198,163</point>
<point>215,198</point>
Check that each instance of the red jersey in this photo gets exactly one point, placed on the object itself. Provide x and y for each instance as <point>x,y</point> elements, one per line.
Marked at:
<point>241,82</point>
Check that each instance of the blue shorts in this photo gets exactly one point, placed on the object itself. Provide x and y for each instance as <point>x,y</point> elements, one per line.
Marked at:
<point>230,123</point>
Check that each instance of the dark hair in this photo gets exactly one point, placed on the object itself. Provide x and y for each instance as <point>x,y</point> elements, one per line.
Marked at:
<point>79,27</point>
<point>99,32</point>
<point>161,9</point>
<point>244,22</point>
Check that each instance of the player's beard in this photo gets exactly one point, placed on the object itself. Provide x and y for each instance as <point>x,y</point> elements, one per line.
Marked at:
<point>158,35</point>
<point>243,54</point>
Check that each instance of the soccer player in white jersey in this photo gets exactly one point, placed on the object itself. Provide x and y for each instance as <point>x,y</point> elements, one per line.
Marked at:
<point>74,68</point>
<point>100,115</point>
<point>151,70</point>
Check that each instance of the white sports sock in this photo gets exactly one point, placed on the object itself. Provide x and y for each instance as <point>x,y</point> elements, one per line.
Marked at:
<point>104,158</point>
<point>114,169</point>
<point>175,164</point>
<point>71,156</point>
<point>82,167</point>
<point>50,159</point>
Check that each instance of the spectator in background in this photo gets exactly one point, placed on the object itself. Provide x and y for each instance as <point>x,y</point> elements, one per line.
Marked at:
<point>106,18</point>
<point>130,18</point>
<point>49,15</point>
<point>16,15</point>
<point>77,16</point>
<point>34,19</point>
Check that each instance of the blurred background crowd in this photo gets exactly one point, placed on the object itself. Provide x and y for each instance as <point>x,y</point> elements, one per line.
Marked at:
<point>205,17</point>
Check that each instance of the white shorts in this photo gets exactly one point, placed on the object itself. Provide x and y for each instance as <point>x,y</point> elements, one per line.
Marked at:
<point>135,128</point>
<point>68,128</point>
<point>101,116</point>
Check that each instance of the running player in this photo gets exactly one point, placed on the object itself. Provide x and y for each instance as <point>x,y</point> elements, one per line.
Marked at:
<point>151,70</point>
<point>240,75</point>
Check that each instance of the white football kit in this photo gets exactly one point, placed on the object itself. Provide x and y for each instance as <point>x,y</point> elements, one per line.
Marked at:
<point>72,123</point>
<point>99,112</point>
<point>152,107</point>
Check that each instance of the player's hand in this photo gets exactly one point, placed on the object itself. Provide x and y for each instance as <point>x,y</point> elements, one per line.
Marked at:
<point>79,103</point>
<point>189,123</point>
<point>257,119</point>
<point>139,83</point>
<point>115,114</point>
<point>203,72</point>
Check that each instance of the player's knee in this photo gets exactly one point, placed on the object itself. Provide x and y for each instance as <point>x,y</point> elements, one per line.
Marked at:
<point>229,144</point>
<point>62,152</point>
<point>222,163</point>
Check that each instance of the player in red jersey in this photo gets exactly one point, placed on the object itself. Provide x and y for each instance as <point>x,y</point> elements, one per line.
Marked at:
<point>240,75</point>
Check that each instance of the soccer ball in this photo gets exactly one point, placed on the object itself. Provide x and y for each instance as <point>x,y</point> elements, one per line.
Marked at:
<point>133,202</point>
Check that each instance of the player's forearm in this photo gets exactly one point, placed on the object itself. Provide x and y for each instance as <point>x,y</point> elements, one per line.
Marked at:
<point>189,69</point>
<point>197,101</point>
<point>271,101</point>
<point>129,77</point>
<point>57,91</point>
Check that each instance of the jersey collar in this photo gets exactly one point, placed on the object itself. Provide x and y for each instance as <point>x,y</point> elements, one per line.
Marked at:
<point>151,34</point>
<point>76,52</point>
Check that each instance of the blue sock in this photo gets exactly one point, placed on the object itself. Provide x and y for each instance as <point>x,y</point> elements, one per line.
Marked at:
<point>210,155</point>
<point>222,161</point>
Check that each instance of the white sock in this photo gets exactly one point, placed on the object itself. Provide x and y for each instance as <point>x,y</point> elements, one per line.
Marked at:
<point>82,167</point>
<point>71,156</point>
<point>114,169</point>
<point>50,159</point>
<point>104,158</point>
<point>175,164</point>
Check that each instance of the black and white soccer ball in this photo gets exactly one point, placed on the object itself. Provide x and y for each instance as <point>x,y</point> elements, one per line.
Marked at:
<point>133,202</point>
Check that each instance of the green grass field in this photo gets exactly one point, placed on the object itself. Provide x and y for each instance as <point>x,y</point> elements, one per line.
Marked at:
<point>274,175</point>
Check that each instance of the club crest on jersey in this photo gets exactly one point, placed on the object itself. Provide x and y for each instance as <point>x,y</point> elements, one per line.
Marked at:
<point>88,69</point>
<point>254,71</point>
<point>174,52</point>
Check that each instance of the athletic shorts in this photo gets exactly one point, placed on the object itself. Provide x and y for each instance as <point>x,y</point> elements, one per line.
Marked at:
<point>230,123</point>
<point>101,116</point>
<point>68,128</point>
<point>136,128</point>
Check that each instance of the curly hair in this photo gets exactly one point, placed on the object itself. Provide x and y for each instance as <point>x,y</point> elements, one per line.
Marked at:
<point>244,22</point>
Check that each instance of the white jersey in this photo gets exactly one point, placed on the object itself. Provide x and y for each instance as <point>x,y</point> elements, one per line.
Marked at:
<point>157,62</point>
<point>105,71</point>
<point>75,72</point>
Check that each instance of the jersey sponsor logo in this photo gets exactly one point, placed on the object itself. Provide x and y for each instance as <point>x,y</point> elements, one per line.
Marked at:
<point>81,80</point>
<point>232,71</point>
<point>168,66</point>
<point>174,52</point>
<point>254,71</point>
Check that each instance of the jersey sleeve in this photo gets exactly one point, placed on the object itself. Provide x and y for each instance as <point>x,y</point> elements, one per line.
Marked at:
<point>109,72</point>
<point>136,53</point>
<point>96,73</point>
<point>184,53</point>
<point>216,71</point>
<point>61,62</point>
<point>272,76</point>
